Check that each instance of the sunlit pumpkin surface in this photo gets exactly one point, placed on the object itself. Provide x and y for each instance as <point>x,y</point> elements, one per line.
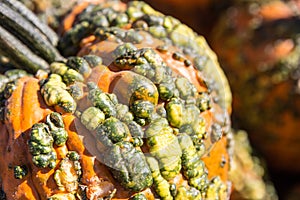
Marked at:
<point>138,110</point>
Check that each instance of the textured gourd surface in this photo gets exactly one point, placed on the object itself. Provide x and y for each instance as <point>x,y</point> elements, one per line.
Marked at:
<point>138,110</point>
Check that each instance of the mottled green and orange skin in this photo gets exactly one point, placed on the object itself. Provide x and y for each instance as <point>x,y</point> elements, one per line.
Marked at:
<point>101,44</point>
<point>110,157</point>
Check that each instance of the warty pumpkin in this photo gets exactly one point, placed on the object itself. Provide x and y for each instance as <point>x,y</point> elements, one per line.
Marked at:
<point>139,109</point>
<point>258,46</point>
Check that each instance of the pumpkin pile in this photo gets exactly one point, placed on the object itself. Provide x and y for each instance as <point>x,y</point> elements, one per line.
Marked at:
<point>258,45</point>
<point>136,108</point>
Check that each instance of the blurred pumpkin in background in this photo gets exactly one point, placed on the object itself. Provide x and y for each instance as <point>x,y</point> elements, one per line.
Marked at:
<point>258,46</point>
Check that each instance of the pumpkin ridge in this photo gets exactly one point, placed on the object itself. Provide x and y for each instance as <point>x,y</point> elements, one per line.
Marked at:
<point>26,119</point>
<point>15,108</point>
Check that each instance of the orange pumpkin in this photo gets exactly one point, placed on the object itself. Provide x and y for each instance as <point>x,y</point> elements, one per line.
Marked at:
<point>257,44</point>
<point>144,124</point>
<point>39,182</point>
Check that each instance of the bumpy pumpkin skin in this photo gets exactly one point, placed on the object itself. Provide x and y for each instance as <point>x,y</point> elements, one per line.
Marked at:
<point>34,100</point>
<point>257,46</point>
<point>95,46</point>
<point>25,108</point>
<point>39,183</point>
<point>92,46</point>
